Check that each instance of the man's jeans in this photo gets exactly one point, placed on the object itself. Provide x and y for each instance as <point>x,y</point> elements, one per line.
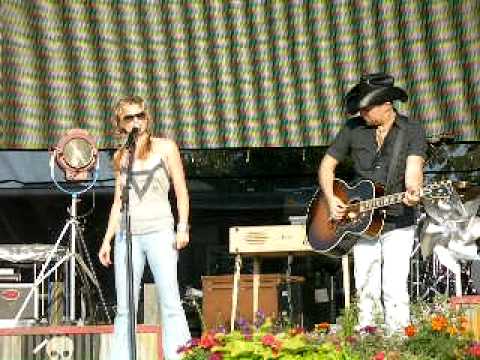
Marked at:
<point>384,264</point>
<point>158,249</point>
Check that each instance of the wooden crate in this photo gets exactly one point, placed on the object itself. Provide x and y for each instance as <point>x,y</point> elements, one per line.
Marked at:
<point>217,297</point>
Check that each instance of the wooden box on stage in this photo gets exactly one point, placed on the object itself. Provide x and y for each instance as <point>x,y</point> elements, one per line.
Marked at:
<point>217,297</point>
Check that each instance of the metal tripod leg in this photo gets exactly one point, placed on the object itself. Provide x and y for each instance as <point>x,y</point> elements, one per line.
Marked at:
<point>43,274</point>
<point>415,271</point>
<point>91,274</point>
<point>73,258</point>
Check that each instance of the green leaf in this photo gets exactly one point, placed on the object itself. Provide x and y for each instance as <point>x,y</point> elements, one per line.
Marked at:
<point>294,344</point>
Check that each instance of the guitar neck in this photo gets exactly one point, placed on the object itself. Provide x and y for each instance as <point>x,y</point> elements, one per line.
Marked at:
<point>380,202</point>
<point>439,190</point>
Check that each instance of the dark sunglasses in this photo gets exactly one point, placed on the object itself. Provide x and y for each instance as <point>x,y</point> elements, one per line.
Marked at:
<point>129,118</point>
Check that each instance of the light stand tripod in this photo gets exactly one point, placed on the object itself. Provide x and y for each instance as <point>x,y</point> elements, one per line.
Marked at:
<point>71,256</point>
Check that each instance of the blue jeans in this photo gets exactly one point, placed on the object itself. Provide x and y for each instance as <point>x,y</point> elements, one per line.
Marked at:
<point>158,249</point>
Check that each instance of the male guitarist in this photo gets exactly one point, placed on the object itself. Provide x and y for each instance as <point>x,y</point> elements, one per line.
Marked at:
<point>388,149</point>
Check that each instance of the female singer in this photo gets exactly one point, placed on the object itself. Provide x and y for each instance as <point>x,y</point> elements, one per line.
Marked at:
<point>156,165</point>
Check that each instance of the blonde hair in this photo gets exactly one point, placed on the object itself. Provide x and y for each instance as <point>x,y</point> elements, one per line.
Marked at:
<point>146,146</point>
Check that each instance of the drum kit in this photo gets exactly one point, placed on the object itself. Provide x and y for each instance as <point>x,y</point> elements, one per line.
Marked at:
<point>445,259</point>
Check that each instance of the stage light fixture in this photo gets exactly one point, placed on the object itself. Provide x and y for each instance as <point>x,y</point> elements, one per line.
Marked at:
<point>76,154</point>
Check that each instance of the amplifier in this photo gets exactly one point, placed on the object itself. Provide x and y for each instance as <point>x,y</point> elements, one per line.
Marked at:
<point>12,297</point>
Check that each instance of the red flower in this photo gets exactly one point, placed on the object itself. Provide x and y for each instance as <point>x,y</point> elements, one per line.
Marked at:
<point>271,341</point>
<point>474,350</point>
<point>268,340</point>
<point>369,329</point>
<point>208,341</point>
<point>216,356</point>
<point>379,356</point>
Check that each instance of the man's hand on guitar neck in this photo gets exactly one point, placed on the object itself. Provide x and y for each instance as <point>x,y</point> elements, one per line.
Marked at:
<point>337,208</point>
<point>411,197</point>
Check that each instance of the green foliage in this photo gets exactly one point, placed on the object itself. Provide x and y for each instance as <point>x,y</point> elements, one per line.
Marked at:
<point>349,320</point>
<point>438,331</point>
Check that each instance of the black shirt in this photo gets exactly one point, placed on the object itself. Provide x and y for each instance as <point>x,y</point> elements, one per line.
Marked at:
<point>357,140</point>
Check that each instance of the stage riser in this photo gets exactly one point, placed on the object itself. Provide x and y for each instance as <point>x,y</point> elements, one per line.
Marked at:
<point>86,346</point>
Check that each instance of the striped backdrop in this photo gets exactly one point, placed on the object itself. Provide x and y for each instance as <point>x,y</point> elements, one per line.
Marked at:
<point>222,74</point>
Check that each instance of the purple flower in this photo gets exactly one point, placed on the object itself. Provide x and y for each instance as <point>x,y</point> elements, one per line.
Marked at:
<point>242,322</point>
<point>244,326</point>
<point>221,330</point>
<point>246,331</point>
<point>259,318</point>
<point>188,346</point>
<point>193,342</point>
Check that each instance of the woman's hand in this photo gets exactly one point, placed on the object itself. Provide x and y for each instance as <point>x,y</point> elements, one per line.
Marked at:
<point>104,254</point>
<point>183,238</point>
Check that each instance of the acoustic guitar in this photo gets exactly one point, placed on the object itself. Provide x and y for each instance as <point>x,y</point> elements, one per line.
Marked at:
<point>364,215</point>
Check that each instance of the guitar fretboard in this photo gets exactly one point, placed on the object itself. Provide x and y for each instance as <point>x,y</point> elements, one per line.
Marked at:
<point>438,190</point>
<point>380,202</point>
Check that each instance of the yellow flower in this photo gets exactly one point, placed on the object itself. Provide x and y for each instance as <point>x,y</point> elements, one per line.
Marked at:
<point>463,323</point>
<point>452,330</point>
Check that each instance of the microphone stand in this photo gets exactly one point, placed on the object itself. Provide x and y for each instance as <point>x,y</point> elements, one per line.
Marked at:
<point>131,321</point>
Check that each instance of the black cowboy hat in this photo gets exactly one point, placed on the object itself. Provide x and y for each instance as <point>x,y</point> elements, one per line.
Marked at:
<point>373,89</point>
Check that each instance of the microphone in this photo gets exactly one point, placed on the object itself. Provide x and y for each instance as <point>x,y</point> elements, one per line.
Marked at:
<point>132,137</point>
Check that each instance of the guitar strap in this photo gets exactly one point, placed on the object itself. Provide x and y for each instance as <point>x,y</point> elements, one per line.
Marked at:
<point>395,160</point>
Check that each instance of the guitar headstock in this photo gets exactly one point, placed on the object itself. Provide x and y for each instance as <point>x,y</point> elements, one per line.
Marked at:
<point>438,190</point>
